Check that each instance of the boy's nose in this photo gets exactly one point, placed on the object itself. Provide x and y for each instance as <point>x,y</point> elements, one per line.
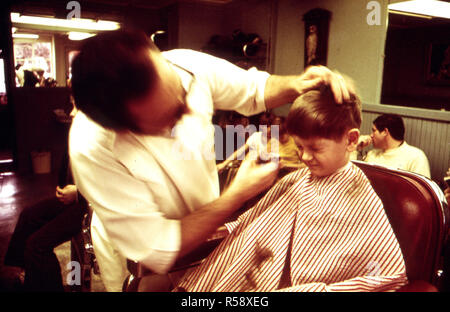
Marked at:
<point>306,156</point>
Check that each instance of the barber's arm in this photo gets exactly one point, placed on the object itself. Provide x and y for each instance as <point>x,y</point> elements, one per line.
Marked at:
<point>252,91</point>
<point>236,155</point>
<point>280,90</point>
<point>251,179</point>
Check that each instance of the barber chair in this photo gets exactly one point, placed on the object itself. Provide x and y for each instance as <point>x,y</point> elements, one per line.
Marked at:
<point>418,213</point>
<point>82,251</point>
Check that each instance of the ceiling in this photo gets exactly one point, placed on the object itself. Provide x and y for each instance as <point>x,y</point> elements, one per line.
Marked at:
<point>101,9</point>
<point>114,10</point>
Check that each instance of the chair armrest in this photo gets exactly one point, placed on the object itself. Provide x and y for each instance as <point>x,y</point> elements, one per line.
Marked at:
<point>418,286</point>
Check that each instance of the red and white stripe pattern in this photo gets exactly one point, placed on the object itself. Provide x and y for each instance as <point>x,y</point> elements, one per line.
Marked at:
<point>340,236</point>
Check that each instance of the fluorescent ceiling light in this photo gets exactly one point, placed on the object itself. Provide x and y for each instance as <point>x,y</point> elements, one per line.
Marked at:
<point>74,35</point>
<point>431,8</point>
<point>75,23</point>
<point>26,36</point>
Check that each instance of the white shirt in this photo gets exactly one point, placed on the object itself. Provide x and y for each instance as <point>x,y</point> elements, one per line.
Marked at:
<point>405,157</point>
<point>141,186</point>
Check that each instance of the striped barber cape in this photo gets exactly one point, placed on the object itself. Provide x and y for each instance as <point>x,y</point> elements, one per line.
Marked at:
<point>307,234</point>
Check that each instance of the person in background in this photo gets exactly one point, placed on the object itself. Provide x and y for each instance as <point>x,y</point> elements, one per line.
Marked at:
<point>41,228</point>
<point>446,252</point>
<point>390,147</point>
<point>263,143</point>
<point>447,189</point>
<point>287,149</point>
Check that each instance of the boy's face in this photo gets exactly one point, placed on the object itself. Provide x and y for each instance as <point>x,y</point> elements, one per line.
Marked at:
<point>325,156</point>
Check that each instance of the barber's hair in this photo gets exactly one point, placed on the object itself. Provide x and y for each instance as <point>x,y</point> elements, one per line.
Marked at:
<point>111,69</point>
<point>316,114</point>
<point>393,123</point>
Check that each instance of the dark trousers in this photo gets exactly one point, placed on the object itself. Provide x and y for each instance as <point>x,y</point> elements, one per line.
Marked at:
<point>39,230</point>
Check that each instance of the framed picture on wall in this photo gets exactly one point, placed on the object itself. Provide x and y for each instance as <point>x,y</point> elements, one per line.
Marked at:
<point>316,36</point>
<point>437,69</point>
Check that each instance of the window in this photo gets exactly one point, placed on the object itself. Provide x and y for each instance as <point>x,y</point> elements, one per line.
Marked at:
<point>415,48</point>
<point>35,56</point>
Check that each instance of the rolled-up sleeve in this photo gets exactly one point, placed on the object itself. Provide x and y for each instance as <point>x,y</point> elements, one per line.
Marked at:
<point>231,87</point>
<point>243,92</point>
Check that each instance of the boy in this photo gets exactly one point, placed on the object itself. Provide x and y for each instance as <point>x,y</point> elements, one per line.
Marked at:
<point>321,228</point>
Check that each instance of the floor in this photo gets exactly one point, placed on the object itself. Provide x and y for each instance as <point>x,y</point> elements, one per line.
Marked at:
<point>17,192</point>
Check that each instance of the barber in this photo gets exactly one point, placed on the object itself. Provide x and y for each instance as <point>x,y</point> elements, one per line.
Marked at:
<point>141,146</point>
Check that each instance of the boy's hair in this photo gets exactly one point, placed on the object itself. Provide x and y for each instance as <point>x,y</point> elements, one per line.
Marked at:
<point>111,69</point>
<point>393,123</point>
<point>316,114</point>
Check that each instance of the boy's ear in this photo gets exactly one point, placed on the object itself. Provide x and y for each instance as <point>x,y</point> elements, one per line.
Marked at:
<point>352,139</point>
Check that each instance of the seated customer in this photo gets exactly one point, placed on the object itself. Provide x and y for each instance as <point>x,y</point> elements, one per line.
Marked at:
<point>391,149</point>
<point>447,189</point>
<point>40,229</point>
<point>321,228</point>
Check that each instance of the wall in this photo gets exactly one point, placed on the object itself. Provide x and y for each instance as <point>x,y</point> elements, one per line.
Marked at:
<point>354,47</point>
<point>252,16</point>
<point>197,23</point>
<point>36,124</point>
<point>62,46</point>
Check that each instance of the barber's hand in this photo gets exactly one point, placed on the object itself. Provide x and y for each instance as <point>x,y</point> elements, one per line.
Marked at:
<point>363,141</point>
<point>67,195</point>
<point>253,177</point>
<point>315,76</point>
<point>221,166</point>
